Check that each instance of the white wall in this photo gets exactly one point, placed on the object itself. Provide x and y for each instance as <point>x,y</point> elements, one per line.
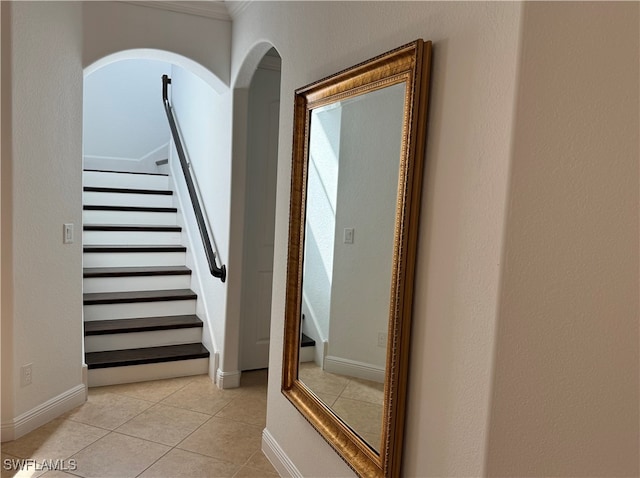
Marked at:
<point>551,288</point>
<point>566,384</point>
<point>41,185</point>
<point>203,118</point>
<point>320,223</point>
<point>111,27</point>
<point>459,250</point>
<point>369,161</point>
<point>124,123</point>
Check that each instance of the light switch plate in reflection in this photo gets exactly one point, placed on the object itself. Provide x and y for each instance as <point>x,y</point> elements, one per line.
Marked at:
<point>348,235</point>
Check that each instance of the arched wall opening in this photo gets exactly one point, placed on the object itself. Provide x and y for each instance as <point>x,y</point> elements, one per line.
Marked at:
<point>201,103</point>
<point>256,111</point>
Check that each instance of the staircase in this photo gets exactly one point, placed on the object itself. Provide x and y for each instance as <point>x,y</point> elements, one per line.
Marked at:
<point>139,310</point>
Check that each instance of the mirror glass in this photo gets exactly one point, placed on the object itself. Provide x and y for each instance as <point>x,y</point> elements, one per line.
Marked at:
<point>352,188</point>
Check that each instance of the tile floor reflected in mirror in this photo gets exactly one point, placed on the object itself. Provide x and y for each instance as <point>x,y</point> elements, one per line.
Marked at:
<point>356,401</point>
<point>181,427</point>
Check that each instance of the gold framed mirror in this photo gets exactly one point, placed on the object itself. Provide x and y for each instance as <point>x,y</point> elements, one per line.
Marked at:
<point>358,151</point>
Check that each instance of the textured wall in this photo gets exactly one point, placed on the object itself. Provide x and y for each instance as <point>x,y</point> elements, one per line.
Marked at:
<point>46,162</point>
<point>111,27</point>
<point>565,399</point>
<point>459,250</point>
<point>203,118</point>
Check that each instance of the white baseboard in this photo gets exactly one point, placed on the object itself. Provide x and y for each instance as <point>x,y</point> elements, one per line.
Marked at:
<point>278,458</point>
<point>213,367</point>
<point>44,413</point>
<point>353,368</point>
<point>228,379</point>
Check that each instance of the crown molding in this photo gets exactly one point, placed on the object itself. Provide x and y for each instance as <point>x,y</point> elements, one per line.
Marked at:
<point>216,10</point>
<point>236,7</point>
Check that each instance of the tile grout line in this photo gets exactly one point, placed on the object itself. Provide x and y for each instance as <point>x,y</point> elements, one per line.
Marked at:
<point>110,431</point>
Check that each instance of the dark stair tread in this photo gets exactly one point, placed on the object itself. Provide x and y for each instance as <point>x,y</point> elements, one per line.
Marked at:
<point>167,353</point>
<point>100,298</point>
<point>135,271</point>
<point>129,208</point>
<point>124,172</point>
<point>131,227</point>
<point>307,341</point>
<point>104,189</point>
<point>140,248</point>
<point>141,324</point>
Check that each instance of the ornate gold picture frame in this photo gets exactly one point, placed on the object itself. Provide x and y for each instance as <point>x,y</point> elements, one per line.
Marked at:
<point>408,67</point>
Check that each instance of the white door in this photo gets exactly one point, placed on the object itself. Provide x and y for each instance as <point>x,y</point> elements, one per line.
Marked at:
<point>258,240</point>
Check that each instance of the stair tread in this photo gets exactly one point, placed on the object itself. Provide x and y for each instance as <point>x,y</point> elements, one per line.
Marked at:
<point>104,189</point>
<point>167,353</point>
<point>141,324</point>
<point>124,172</point>
<point>129,208</point>
<point>307,341</point>
<point>135,271</point>
<point>100,298</point>
<point>139,248</point>
<point>131,227</point>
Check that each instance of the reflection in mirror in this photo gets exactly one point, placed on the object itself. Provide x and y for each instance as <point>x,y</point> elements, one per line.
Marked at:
<point>354,158</point>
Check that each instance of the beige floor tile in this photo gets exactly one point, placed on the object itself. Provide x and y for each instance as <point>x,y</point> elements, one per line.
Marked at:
<point>364,390</point>
<point>365,418</point>
<point>224,439</point>
<point>57,440</point>
<point>164,424</point>
<point>58,474</point>
<point>251,409</point>
<point>260,462</point>
<point>118,456</point>
<point>248,472</point>
<point>200,396</point>
<point>319,381</point>
<point>107,410</point>
<point>152,391</point>
<point>326,398</point>
<point>178,463</point>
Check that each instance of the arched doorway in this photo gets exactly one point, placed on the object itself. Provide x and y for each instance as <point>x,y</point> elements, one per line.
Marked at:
<point>202,105</point>
<point>256,132</point>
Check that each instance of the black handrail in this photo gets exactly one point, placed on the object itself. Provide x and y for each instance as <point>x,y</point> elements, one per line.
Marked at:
<point>219,272</point>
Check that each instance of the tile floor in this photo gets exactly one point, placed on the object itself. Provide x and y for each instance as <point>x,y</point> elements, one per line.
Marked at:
<point>358,402</point>
<point>182,427</point>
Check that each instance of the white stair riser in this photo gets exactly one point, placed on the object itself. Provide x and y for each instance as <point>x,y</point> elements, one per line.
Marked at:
<point>132,259</point>
<point>307,354</point>
<point>125,199</point>
<point>129,217</point>
<point>153,371</point>
<point>157,338</point>
<point>122,284</point>
<point>139,309</point>
<point>124,180</point>
<point>131,237</point>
